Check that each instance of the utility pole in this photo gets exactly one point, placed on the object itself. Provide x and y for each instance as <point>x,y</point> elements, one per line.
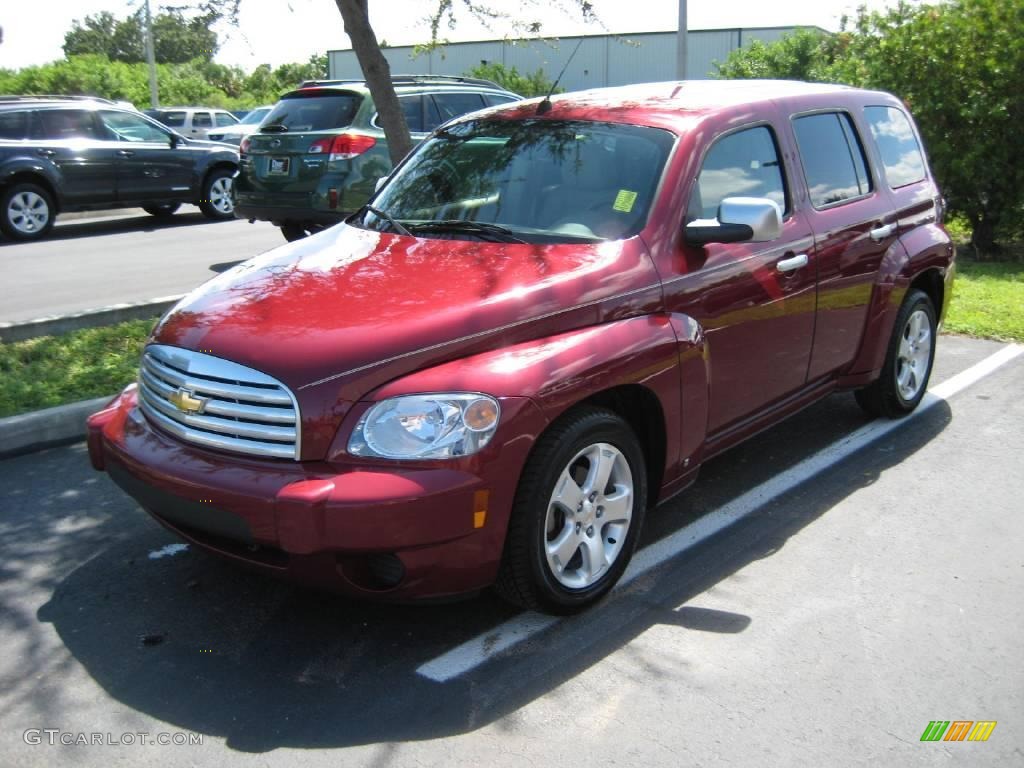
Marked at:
<point>154,96</point>
<point>681,43</point>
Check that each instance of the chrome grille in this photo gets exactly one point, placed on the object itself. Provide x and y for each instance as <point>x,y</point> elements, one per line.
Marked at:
<point>236,408</point>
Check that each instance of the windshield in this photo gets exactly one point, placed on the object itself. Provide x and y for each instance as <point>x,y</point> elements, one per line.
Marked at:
<point>536,180</point>
<point>255,117</point>
<point>313,111</point>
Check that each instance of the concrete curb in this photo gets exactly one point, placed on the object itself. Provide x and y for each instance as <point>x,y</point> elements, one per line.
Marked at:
<point>28,432</point>
<point>117,313</point>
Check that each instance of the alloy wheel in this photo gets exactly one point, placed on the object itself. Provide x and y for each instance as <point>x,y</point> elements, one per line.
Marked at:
<point>28,212</point>
<point>588,515</point>
<point>914,354</point>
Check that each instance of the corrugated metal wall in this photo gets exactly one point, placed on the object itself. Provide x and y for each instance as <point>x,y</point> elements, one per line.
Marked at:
<point>602,59</point>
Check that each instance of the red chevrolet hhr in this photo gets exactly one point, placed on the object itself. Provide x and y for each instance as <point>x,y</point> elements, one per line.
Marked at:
<point>545,320</point>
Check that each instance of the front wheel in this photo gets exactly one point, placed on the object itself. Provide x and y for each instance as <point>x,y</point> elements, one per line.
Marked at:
<point>577,514</point>
<point>26,212</point>
<point>161,210</point>
<point>908,361</point>
<point>218,200</point>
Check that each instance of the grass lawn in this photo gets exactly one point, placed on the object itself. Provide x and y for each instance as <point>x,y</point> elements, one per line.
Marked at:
<point>53,370</point>
<point>988,300</point>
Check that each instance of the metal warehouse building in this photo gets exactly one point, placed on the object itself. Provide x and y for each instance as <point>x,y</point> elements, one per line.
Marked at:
<point>602,59</point>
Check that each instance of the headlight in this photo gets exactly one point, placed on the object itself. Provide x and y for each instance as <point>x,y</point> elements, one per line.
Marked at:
<point>437,426</point>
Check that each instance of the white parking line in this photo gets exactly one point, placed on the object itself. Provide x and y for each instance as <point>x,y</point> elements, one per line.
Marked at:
<point>481,648</point>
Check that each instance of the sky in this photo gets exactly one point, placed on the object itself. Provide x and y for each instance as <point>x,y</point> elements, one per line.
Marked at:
<point>280,31</point>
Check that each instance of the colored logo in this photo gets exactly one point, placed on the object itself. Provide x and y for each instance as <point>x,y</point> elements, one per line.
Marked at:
<point>958,730</point>
<point>183,400</point>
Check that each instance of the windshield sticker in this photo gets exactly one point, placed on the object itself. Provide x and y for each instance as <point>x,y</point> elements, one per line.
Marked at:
<point>624,201</point>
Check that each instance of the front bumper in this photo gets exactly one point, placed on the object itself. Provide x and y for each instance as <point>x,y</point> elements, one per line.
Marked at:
<point>385,531</point>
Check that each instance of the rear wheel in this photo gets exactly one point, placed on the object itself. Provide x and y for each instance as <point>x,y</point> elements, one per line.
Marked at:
<point>26,211</point>
<point>161,209</point>
<point>908,361</point>
<point>293,231</point>
<point>218,200</point>
<point>577,514</point>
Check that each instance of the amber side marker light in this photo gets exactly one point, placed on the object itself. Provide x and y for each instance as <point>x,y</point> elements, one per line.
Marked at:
<point>480,499</point>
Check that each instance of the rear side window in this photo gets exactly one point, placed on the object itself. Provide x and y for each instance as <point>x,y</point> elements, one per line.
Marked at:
<point>412,106</point>
<point>742,164</point>
<point>202,120</point>
<point>454,104</point>
<point>13,125</point>
<point>316,110</point>
<point>53,124</point>
<point>171,119</point>
<point>832,157</point>
<point>901,154</point>
<point>494,99</point>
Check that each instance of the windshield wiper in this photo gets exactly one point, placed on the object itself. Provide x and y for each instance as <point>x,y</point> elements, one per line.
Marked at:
<point>273,128</point>
<point>493,232</point>
<point>395,225</point>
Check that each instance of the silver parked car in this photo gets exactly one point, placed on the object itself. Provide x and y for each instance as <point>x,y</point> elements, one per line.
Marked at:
<point>193,122</point>
<point>234,134</point>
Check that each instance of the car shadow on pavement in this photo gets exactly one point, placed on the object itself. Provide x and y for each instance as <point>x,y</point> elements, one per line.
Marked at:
<point>207,647</point>
<point>144,223</point>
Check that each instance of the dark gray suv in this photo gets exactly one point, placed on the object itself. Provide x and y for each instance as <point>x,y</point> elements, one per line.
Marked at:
<point>60,154</point>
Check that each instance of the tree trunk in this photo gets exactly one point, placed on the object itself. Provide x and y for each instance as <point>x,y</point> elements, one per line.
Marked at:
<point>355,15</point>
<point>983,237</point>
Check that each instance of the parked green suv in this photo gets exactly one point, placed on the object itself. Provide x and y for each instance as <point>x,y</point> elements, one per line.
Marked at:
<point>318,155</point>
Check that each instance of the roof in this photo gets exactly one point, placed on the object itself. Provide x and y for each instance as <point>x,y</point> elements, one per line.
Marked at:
<point>664,103</point>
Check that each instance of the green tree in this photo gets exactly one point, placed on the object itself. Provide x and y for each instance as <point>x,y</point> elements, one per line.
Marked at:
<point>177,38</point>
<point>959,66</point>
<point>804,55</point>
<point>535,84</point>
<point>117,39</point>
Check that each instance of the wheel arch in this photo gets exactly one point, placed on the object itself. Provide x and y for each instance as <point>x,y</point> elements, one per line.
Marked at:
<point>26,176</point>
<point>641,409</point>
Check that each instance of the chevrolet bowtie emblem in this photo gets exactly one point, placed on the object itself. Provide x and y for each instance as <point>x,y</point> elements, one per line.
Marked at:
<point>185,401</point>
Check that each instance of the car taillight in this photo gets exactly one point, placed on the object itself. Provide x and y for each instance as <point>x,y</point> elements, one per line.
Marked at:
<point>349,145</point>
<point>319,147</point>
<point>244,146</point>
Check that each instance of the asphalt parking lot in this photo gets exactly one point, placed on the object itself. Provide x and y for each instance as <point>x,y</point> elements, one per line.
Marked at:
<point>122,257</point>
<point>827,626</point>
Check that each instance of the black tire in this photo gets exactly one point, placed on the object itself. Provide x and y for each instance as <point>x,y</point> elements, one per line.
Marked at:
<point>161,210</point>
<point>293,231</point>
<point>27,211</point>
<point>526,577</point>
<point>885,396</point>
<point>218,200</point>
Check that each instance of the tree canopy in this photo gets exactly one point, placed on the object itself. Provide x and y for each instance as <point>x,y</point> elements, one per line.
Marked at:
<point>177,38</point>
<point>959,66</point>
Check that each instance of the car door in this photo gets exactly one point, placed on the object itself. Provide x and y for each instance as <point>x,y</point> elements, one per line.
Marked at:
<point>150,166</point>
<point>73,141</point>
<point>201,124</point>
<point>851,221</point>
<point>755,307</point>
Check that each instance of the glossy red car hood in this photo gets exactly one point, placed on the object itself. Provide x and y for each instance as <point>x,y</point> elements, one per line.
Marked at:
<point>359,308</point>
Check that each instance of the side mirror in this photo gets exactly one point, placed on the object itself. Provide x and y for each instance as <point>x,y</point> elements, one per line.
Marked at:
<point>740,219</point>
<point>174,139</point>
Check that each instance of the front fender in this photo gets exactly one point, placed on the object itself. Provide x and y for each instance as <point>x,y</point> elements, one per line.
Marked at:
<point>557,372</point>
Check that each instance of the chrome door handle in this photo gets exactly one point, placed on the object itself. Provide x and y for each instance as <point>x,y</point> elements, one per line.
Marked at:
<point>880,233</point>
<point>46,152</point>
<point>794,262</point>
<point>125,153</point>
